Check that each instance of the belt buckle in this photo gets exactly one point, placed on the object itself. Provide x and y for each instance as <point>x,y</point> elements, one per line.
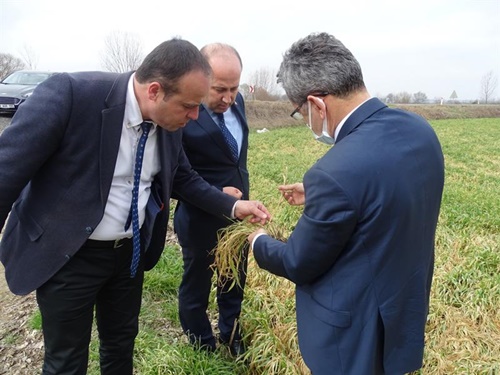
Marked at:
<point>118,243</point>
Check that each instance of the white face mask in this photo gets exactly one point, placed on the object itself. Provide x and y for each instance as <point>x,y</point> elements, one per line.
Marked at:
<point>324,137</point>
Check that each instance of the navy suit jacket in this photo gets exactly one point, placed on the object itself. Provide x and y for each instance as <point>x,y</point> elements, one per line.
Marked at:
<point>57,159</point>
<point>210,156</point>
<point>362,253</point>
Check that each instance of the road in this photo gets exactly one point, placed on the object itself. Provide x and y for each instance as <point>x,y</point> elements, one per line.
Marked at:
<point>4,121</point>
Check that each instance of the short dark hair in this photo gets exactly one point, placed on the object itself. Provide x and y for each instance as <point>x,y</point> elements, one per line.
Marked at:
<point>169,61</point>
<point>319,63</point>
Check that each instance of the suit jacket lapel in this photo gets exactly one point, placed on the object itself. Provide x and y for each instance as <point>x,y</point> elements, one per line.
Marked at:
<point>359,115</point>
<point>111,128</point>
<point>238,110</point>
<point>213,130</point>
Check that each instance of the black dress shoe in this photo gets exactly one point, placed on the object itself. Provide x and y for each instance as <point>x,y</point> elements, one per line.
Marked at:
<point>236,347</point>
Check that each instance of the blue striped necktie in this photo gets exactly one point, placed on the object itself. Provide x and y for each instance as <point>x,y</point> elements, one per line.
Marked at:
<point>134,209</point>
<point>231,142</point>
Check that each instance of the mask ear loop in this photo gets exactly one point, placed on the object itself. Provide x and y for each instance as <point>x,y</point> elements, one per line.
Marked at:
<point>309,123</point>
<point>309,110</point>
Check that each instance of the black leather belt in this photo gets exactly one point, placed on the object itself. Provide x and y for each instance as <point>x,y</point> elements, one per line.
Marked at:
<point>113,244</point>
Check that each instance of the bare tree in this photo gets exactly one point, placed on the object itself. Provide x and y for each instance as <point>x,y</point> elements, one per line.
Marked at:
<point>9,63</point>
<point>30,57</point>
<point>122,52</point>
<point>402,97</point>
<point>244,90</point>
<point>264,82</point>
<point>390,98</point>
<point>489,84</point>
<point>419,97</point>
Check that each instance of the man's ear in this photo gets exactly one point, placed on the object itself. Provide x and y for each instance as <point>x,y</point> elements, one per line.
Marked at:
<point>155,91</point>
<point>319,104</point>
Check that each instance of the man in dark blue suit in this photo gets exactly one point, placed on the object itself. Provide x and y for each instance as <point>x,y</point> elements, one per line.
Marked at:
<point>362,253</point>
<point>224,166</point>
<point>71,179</point>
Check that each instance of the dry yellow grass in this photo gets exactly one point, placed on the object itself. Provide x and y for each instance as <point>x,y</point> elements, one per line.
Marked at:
<point>273,115</point>
<point>231,241</point>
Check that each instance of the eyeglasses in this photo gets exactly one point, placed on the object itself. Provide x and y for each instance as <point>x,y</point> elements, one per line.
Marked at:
<point>296,112</point>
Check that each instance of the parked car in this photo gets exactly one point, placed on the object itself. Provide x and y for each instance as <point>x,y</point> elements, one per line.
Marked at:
<point>18,86</point>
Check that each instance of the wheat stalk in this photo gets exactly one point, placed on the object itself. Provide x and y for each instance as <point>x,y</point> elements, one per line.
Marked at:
<point>231,241</point>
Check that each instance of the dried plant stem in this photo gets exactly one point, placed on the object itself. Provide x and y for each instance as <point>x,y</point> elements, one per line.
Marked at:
<point>230,244</point>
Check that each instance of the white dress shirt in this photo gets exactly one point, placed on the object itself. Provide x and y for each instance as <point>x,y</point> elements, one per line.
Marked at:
<point>112,225</point>
<point>232,124</point>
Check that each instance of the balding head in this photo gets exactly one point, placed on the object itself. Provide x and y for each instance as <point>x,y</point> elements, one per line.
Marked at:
<point>220,50</point>
<point>226,67</point>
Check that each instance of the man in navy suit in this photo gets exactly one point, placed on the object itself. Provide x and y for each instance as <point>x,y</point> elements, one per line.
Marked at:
<point>211,156</point>
<point>362,253</point>
<point>66,177</point>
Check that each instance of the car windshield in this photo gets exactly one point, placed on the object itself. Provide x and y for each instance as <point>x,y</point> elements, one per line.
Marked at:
<point>26,78</point>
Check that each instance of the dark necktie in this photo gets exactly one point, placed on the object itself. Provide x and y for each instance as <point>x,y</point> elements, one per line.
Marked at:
<point>134,209</point>
<point>231,142</point>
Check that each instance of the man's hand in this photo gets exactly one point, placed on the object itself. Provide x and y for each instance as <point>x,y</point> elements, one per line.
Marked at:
<point>293,193</point>
<point>232,191</point>
<point>252,235</point>
<point>255,209</point>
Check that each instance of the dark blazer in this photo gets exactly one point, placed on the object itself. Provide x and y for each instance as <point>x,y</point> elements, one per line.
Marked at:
<point>362,253</point>
<point>57,160</point>
<point>210,156</point>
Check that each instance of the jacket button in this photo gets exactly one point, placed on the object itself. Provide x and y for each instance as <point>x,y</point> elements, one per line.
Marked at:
<point>89,230</point>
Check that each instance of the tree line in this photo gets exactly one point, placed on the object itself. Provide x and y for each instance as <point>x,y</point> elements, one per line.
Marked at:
<point>123,52</point>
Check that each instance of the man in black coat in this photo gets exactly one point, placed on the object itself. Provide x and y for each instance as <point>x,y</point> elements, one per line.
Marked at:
<point>216,145</point>
<point>69,179</point>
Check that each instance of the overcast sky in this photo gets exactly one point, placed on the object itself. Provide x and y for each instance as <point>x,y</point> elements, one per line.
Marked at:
<point>432,46</point>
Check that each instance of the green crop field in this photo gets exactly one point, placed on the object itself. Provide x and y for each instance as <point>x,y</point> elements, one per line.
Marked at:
<point>463,332</point>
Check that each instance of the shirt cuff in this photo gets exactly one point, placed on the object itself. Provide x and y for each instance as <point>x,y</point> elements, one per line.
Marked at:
<point>234,209</point>
<point>255,238</point>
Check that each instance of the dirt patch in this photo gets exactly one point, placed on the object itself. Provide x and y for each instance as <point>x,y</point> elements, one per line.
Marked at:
<point>21,347</point>
<point>273,115</point>
<point>452,111</point>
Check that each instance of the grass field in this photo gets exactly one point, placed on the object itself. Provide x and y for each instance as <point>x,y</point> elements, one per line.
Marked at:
<point>463,332</point>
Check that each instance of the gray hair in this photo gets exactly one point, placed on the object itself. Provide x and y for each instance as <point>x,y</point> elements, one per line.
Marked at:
<point>319,63</point>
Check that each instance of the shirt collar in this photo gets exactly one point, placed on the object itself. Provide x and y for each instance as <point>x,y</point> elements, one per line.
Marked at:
<point>210,112</point>
<point>214,115</point>
<point>339,126</point>
<point>133,115</point>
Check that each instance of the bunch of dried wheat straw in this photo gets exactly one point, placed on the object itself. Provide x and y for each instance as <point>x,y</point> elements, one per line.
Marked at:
<point>231,241</point>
